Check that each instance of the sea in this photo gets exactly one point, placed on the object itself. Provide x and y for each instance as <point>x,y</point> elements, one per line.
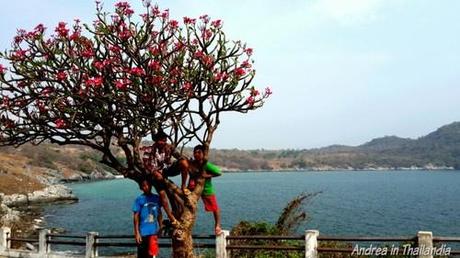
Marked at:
<point>349,203</point>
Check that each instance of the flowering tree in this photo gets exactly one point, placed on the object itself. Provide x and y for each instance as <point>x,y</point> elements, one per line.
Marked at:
<point>121,79</point>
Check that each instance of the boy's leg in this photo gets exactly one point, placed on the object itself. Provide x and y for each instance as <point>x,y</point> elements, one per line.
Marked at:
<point>165,205</point>
<point>217,228</point>
<point>143,248</point>
<point>210,205</point>
<point>179,167</point>
<point>184,167</point>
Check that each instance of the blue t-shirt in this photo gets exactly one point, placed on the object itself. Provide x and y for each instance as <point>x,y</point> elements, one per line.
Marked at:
<point>148,207</point>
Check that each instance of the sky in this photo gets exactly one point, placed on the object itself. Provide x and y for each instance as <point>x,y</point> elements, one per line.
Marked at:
<point>342,71</point>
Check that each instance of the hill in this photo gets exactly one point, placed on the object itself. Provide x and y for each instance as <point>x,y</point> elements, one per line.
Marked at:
<point>37,166</point>
<point>437,150</point>
<point>29,168</point>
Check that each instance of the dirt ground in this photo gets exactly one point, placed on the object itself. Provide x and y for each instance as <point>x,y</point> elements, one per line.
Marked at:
<point>18,177</point>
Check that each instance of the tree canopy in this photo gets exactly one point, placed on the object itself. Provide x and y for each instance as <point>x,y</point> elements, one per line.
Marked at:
<point>122,78</point>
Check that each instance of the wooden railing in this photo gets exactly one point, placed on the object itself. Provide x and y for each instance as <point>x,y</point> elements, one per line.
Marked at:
<point>311,244</point>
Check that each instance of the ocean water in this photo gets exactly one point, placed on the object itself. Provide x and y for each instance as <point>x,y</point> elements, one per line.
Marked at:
<point>366,203</point>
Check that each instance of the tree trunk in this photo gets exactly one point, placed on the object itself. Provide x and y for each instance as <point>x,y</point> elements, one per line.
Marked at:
<point>182,242</point>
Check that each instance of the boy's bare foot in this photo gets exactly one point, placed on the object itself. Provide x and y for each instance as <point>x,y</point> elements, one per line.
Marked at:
<point>186,191</point>
<point>218,230</point>
<point>174,223</point>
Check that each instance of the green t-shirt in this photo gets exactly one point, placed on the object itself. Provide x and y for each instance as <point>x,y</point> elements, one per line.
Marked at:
<point>214,170</point>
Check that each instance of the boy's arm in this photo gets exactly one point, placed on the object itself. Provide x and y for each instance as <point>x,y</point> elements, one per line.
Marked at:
<point>137,235</point>
<point>211,170</point>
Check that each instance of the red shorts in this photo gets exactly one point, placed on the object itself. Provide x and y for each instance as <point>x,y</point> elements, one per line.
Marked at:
<point>153,245</point>
<point>210,203</point>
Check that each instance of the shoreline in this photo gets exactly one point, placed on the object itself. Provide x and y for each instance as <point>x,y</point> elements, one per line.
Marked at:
<point>379,169</point>
<point>23,212</point>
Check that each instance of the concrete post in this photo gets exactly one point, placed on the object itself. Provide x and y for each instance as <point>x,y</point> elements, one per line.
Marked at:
<point>311,243</point>
<point>43,246</point>
<point>425,243</point>
<point>91,248</point>
<point>221,244</point>
<point>5,233</point>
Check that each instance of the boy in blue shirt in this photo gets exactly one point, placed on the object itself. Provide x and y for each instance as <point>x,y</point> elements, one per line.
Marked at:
<point>147,220</point>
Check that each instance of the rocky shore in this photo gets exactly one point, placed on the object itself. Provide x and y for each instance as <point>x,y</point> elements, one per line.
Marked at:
<point>23,212</point>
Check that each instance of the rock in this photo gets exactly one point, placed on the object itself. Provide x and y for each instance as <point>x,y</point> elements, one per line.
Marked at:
<point>30,247</point>
<point>9,217</point>
<point>101,175</point>
<point>49,194</point>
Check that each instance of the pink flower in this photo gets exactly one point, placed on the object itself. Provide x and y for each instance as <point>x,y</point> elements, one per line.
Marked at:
<point>19,55</point>
<point>156,80</point>
<point>268,92</point>
<point>128,12</point>
<point>137,71</point>
<point>221,76</point>
<point>87,53</point>
<point>208,60</point>
<point>60,123</point>
<point>122,5</point>
<point>199,54</point>
<point>250,101</point>
<point>6,102</point>
<point>155,10</point>
<point>2,70</point>
<point>248,51</point>
<point>39,28</point>
<point>98,65</point>
<point>254,92</point>
<point>246,64</point>
<point>239,72</point>
<point>216,23</point>
<point>124,34</point>
<point>10,124</point>
<point>61,29</point>
<point>22,84</point>
<point>94,81</point>
<point>144,16</point>
<point>154,51</point>
<point>122,84</point>
<point>123,8</point>
<point>47,91</point>
<point>115,49</point>
<point>187,86</point>
<point>174,24</point>
<point>205,18</point>
<point>155,65</point>
<point>188,20</point>
<point>178,46</point>
<point>206,34</point>
<point>74,36</point>
<point>165,14</point>
<point>61,76</point>
<point>41,106</point>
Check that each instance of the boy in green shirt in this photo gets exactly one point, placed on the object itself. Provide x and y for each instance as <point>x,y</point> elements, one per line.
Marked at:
<point>208,195</point>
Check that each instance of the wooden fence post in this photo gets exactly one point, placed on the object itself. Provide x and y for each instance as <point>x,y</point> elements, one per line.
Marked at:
<point>425,242</point>
<point>311,243</point>
<point>221,244</point>
<point>5,233</point>
<point>43,245</point>
<point>91,248</point>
